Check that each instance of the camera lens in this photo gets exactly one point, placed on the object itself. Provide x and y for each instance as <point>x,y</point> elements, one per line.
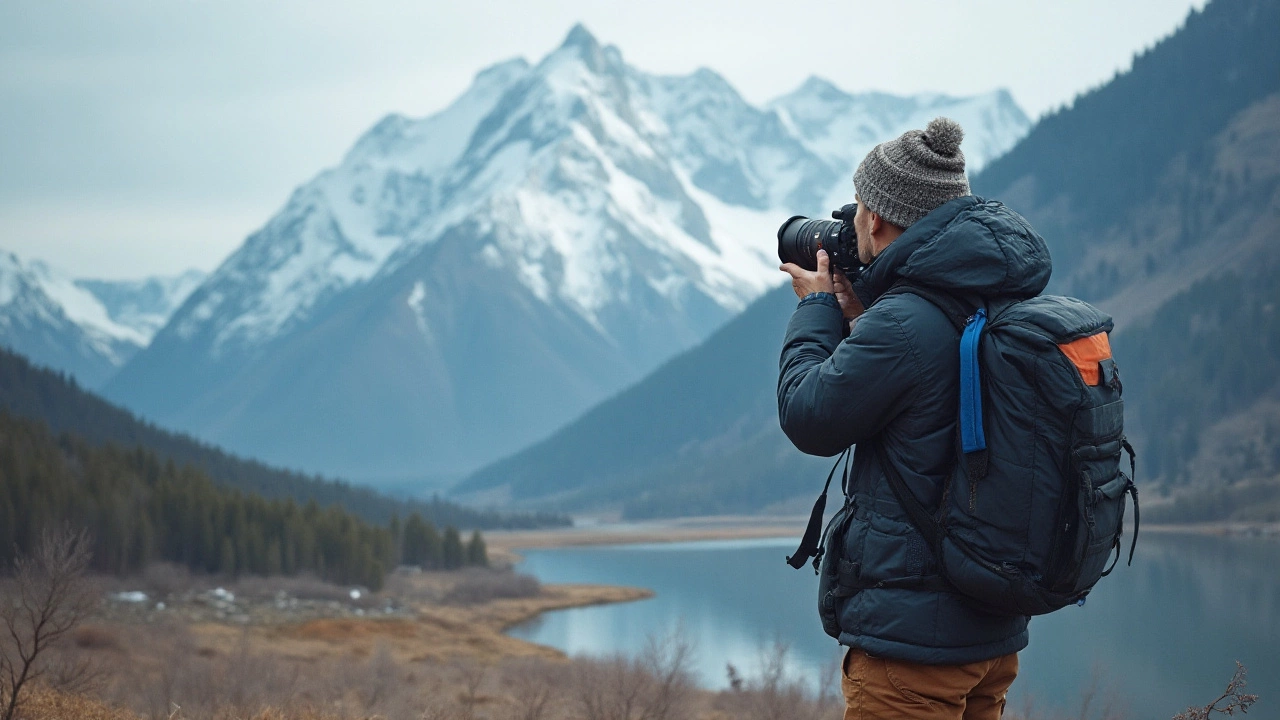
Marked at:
<point>800,238</point>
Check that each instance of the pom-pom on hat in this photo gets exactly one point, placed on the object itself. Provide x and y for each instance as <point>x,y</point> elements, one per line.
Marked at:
<point>905,179</point>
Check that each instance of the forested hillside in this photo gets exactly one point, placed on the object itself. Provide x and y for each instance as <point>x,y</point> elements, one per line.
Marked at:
<point>1089,166</point>
<point>139,509</point>
<point>1159,195</point>
<point>34,392</point>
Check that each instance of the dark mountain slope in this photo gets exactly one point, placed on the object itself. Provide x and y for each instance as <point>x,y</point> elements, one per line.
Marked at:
<point>1159,194</point>
<point>698,435</point>
<point>33,392</point>
<point>1112,146</point>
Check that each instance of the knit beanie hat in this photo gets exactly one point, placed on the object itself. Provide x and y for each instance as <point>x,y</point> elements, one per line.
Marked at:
<point>905,179</point>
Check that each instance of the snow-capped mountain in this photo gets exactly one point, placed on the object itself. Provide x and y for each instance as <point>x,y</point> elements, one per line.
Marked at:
<point>88,328</point>
<point>144,305</point>
<point>842,128</point>
<point>461,285</point>
<point>47,317</point>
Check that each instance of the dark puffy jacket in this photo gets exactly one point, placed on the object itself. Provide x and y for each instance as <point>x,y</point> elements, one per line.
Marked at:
<point>897,376</point>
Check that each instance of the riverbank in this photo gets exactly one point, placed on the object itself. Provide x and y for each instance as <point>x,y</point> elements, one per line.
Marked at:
<point>1243,529</point>
<point>418,616</point>
<point>435,633</point>
<point>504,546</point>
<point>428,644</point>
<point>426,640</point>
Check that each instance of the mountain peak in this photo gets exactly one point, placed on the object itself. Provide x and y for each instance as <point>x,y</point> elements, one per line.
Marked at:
<point>613,204</point>
<point>581,38</point>
<point>814,85</point>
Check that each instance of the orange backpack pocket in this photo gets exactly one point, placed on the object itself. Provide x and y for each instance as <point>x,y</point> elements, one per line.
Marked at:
<point>1086,354</point>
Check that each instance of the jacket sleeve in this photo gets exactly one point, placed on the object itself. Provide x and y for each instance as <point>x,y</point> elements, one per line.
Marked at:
<point>833,394</point>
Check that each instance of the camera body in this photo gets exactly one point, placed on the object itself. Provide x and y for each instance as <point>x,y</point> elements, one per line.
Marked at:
<point>800,239</point>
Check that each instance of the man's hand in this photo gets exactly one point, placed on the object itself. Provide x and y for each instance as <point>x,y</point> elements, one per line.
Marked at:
<point>823,279</point>
<point>805,282</point>
<point>850,305</point>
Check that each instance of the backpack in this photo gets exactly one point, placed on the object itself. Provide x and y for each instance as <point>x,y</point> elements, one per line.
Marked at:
<point>1034,506</point>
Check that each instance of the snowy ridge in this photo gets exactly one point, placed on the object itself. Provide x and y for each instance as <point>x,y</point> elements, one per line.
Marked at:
<point>89,328</point>
<point>582,120</point>
<point>34,292</point>
<point>584,172</point>
<point>143,305</point>
<point>45,316</point>
<point>842,127</point>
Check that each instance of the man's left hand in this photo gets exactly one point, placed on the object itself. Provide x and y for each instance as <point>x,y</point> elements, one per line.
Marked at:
<point>805,282</point>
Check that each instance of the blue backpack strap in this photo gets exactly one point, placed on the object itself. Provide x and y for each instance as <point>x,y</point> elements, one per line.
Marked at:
<point>970,323</point>
<point>973,440</point>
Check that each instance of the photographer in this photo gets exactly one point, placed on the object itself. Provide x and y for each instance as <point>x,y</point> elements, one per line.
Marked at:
<point>889,375</point>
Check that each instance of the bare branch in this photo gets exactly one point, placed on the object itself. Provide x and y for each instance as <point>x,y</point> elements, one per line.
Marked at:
<point>1236,701</point>
<point>50,597</point>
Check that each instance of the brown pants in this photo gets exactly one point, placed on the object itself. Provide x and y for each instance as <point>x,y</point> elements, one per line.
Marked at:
<point>882,689</point>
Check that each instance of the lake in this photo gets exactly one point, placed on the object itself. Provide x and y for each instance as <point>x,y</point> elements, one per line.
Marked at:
<point>1164,633</point>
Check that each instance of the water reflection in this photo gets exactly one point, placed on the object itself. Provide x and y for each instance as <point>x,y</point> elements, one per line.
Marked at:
<point>1161,635</point>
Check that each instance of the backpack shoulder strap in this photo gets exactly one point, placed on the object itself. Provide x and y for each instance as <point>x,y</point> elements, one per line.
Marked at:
<point>969,320</point>
<point>811,541</point>
<point>925,524</point>
<point>958,311</point>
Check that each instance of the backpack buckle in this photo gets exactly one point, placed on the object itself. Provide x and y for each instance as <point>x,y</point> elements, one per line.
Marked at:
<point>1110,373</point>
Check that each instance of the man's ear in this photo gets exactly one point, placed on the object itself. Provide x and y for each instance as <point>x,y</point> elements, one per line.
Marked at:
<point>877,222</point>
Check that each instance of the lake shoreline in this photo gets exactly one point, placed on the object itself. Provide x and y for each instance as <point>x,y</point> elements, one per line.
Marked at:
<point>1221,528</point>
<point>505,546</point>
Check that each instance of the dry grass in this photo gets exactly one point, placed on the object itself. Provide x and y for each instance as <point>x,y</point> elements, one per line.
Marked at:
<point>775,695</point>
<point>44,703</point>
<point>176,673</point>
<point>95,637</point>
<point>479,586</point>
<point>185,682</point>
<point>444,661</point>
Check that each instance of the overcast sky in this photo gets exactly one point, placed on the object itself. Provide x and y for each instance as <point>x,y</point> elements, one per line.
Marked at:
<point>149,136</point>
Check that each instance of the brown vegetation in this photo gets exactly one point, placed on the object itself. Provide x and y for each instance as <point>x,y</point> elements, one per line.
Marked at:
<point>776,696</point>
<point>445,657</point>
<point>45,703</point>
<point>1232,700</point>
<point>48,597</point>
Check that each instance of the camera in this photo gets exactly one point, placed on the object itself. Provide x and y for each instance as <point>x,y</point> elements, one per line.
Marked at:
<point>800,238</point>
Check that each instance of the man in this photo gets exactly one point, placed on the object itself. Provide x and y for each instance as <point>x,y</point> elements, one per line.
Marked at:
<point>889,374</point>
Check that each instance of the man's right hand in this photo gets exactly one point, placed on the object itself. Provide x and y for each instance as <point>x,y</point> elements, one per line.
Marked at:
<point>850,305</point>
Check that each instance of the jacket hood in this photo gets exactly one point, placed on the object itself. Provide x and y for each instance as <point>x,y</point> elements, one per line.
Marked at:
<point>969,246</point>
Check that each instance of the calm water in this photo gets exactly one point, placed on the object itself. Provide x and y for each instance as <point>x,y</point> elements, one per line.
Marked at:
<point>1164,633</point>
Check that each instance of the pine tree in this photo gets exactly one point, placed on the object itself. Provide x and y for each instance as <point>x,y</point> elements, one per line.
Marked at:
<point>414,545</point>
<point>434,548</point>
<point>454,555</point>
<point>227,557</point>
<point>140,509</point>
<point>476,551</point>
